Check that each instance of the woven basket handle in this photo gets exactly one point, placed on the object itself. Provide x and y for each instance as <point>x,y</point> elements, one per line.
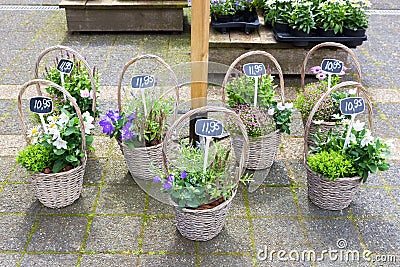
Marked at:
<point>359,87</point>
<point>76,54</point>
<point>148,57</point>
<point>248,54</point>
<point>39,82</point>
<point>202,110</point>
<point>329,44</point>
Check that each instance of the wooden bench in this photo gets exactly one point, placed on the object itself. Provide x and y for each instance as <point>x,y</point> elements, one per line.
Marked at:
<point>123,15</point>
<point>225,48</point>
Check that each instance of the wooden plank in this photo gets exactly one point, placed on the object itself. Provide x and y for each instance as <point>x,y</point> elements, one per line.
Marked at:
<point>199,52</point>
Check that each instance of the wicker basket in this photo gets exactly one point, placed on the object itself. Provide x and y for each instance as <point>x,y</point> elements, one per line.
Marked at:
<point>56,190</point>
<point>332,195</point>
<point>140,161</point>
<point>263,149</point>
<point>203,225</point>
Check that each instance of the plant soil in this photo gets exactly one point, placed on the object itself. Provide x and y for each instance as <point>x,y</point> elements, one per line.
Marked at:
<point>211,204</point>
<point>65,169</point>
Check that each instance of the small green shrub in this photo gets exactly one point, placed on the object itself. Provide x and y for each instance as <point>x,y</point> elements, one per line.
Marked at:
<point>332,164</point>
<point>35,158</point>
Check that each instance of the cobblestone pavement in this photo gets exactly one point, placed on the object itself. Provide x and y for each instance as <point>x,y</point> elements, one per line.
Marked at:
<point>115,224</point>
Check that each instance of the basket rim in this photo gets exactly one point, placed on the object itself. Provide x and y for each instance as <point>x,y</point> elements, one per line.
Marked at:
<point>142,147</point>
<point>219,207</point>
<point>354,178</point>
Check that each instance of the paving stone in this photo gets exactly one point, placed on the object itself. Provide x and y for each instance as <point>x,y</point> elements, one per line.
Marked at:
<point>307,208</point>
<point>17,198</point>
<point>371,202</point>
<point>278,174</point>
<point>14,232</point>
<point>234,237</point>
<point>291,149</point>
<point>121,199</point>
<point>272,201</point>
<point>118,173</point>
<point>156,207</point>
<point>19,174</point>
<point>238,206</point>
<point>225,260</point>
<point>381,129</point>
<point>108,260</point>
<point>167,260</point>
<point>45,259</point>
<point>8,164</point>
<point>374,179</point>
<point>395,192</point>
<point>9,259</point>
<point>114,233</point>
<point>379,235</point>
<point>390,110</point>
<point>162,235</point>
<point>297,172</point>
<point>385,95</point>
<point>395,123</point>
<point>58,233</point>
<point>391,176</point>
<point>94,171</point>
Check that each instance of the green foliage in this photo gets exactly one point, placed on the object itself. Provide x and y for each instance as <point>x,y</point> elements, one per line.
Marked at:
<point>331,16</point>
<point>302,17</point>
<point>367,153</point>
<point>332,164</point>
<point>35,158</point>
<point>77,83</point>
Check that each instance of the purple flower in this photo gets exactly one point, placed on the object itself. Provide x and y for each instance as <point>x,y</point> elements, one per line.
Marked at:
<point>280,106</point>
<point>271,111</point>
<point>108,128</point>
<point>114,115</point>
<point>183,175</point>
<point>315,69</point>
<point>131,117</point>
<point>157,179</point>
<point>321,76</point>
<point>167,185</point>
<point>126,134</point>
<point>170,178</point>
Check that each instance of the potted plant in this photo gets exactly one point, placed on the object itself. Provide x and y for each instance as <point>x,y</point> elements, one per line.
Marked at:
<point>264,122</point>
<point>201,180</point>
<point>277,13</point>
<point>56,153</point>
<point>234,10</point>
<point>301,18</point>
<point>356,21</point>
<point>334,172</point>
<point>328,112</point>
<point>330,17</point>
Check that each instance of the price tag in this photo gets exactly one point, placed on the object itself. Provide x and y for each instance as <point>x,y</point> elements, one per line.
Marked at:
<point>208,128</point>
<point>41,105</point>
<point>142,81</point>
<point>65,66</point>
<point>254,69</point>
<point>332,66</point>
<point>352,105</point>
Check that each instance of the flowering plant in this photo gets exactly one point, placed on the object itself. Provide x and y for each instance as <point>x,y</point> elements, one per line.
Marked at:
<point>189,186</point>
<point>331,15</point>
<point>77,83</point>
<point>240,98</point>
<point>277,10</point>
<point>306,100</point>
<point>363,155</point>
<point>302,16</point>
<point>58,146</point>
<point>230,7</point>
<point>356,17</point>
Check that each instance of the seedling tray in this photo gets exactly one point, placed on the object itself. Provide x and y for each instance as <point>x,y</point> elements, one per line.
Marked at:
<point>314,39</point>
<point>246,27</point>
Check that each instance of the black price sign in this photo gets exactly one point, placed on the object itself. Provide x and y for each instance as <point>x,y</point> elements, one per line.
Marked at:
<point>208,127</point>
<point>352,105</point>
<point>65,66</point>
<point>332,66</point>
<point>41,105</point>
<point>254,69</point>
<point>142,81</point>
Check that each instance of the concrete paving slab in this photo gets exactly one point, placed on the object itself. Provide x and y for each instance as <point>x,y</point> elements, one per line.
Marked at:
<point>14,232</point>
<point>109,260</point>
<point>54,259</point>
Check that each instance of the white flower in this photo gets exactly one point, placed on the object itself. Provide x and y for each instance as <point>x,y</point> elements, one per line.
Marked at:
<point>353,138</point>
<point>33,132</point>
<point>54,131</point>
<point>358,126</point>
<point>346,121</point>
<point>271,111</point>
<point>59,143</point>
<point>63,119</point>
<point>318,122</point>
<point>52,119</point>
<point>87,121</point>
<point>368,139</point>
<point>353,91</point>
<point>337,116</point>
<point>85,93</point>
<point>280,106</point>
<point>288,105</point>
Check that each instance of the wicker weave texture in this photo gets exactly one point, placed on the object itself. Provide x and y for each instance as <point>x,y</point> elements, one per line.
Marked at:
<point>331,195</point>
<point>202,225</point>
<point>262,150</point>
<point>58,190</point>
<point>141,159</point>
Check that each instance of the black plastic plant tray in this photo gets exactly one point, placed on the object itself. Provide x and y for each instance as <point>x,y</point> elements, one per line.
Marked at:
<point>247,27</point>
<point>314,38</point>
